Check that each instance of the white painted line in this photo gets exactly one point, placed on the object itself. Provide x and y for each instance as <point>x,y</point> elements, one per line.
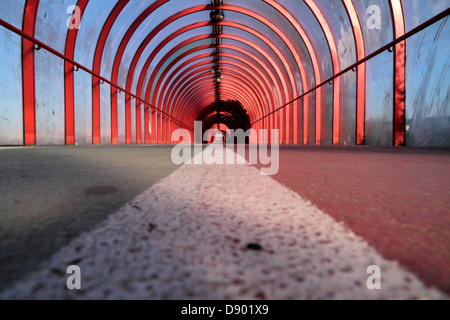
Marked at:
<point>187,236</point>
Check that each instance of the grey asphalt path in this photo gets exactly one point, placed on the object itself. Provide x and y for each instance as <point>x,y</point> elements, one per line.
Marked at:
<point>220,232</point>
<point>49,195</point>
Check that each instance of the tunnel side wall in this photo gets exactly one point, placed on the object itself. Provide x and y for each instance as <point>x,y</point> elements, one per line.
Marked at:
<point>427,97</point>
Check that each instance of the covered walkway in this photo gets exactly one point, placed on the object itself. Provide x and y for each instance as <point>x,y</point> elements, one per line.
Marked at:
<point>351,98</point>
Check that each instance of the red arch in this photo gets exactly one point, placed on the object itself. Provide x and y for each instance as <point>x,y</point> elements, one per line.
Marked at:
<point>276,71</point>
<point>69,79</point>
<point>190,88</point>
<point>186,76</point>
<point>96,65</point>
<point>162,61</point>
<point>266,82</point>
<point>262,19</point>
<point>360,72</point>
<point>28,74</point>
<point>254,82</point>
<point>255,65</point>
<point>117,61</point>
<point>399,121</point>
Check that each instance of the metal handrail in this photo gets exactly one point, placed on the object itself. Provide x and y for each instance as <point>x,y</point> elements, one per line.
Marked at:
<point>40,45</point>
<point>390,47</point>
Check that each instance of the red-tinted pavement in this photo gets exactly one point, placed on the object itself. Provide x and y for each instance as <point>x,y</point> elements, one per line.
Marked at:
<point>398,199</point>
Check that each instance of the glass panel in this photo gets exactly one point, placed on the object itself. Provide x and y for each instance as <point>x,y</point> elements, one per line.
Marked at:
<point>427,98</point>
<point>133,120</point>
<point>427,87</point>
<point>105,113</point>
<point>272,15</point>
<point>127,17</point>
<point>95,15</point>
<point>379,100</point>
<point>340,26</point>
<point>339,23</point>
<point>51,23</point>
<point>263,47</point>
<point>375,36</point>
<point>180,72</point>
<point>143,31</point>
<point>12,12</point>
<point>348,109</point>
<point>123,22</point>
<point>327,134</point>
<point>266,64</point>
<point>379,71</point>
<point>94,18</point>
<point>177,71</point>
<point>51,28</point>
<point>419,11</point>
<point>309,23</point>
<point>50,103</point>
<point>267,11</point>
<point>172,58</point>
<point>11,103</point>
<point>121,117</point>
<point>83,107</point>
<point>187,35</point>
<point>311,119</point>
<point>258,77</point>
<point>271,38</point>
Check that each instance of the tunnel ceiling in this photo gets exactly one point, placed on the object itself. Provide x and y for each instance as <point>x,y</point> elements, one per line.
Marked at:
<point>180,56</point>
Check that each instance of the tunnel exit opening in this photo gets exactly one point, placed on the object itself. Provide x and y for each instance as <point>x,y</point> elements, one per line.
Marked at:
<point>224,116</point>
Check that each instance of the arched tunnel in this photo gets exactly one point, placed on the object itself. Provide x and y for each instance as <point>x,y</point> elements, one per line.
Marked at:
<point>224,149</point>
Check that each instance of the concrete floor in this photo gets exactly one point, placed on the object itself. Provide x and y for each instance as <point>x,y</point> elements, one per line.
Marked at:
<point>49,195</point>
<point>396,199</point>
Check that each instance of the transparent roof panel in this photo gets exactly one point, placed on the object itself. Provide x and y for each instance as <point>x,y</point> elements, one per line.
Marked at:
<point>258,57</point>
<point>12,12</point>
<point>376,23</point>
<point>339,23</point>
<point>117,33</point>
<point>163,51</point>
<point>258,45</point>
<point>49,24</point>
<point>271,15</point>
<point>309,23</point>
<point>195,70</point>
<point>177,72</point>
<point>419,11</point>
<point>275,49</point>
<point>143,32</point>
<point>174,56</point>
